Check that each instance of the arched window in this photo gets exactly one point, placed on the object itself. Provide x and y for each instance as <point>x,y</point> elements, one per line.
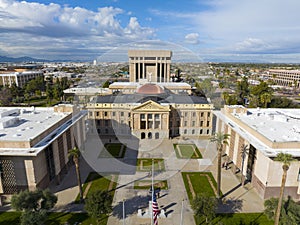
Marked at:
<point>143,135</point>
<point>149,135</point>
<point>156,135</point>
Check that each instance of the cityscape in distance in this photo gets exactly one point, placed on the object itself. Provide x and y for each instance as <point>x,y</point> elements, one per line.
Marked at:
<point>135,113</point>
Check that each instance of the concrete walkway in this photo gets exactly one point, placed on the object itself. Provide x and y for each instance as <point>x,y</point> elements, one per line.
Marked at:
<point>237,198</point>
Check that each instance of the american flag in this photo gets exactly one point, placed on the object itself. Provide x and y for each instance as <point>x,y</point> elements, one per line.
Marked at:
<point>155,209</point>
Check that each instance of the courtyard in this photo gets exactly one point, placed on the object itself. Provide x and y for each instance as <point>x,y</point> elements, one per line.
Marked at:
<point>178,179</point>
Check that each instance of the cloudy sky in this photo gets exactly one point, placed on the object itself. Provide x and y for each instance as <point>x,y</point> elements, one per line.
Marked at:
<point>215,30</point>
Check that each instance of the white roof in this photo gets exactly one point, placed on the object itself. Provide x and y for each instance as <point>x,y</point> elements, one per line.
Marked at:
<point>29,124</point>
<point>277,125</point>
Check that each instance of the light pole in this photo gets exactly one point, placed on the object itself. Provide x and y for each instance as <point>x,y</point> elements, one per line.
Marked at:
<point>181,214</point>
<point>123,211</point>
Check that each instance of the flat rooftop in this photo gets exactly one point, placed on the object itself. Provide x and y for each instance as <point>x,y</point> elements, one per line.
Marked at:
<point>277,125</point>
<point>23,124</point>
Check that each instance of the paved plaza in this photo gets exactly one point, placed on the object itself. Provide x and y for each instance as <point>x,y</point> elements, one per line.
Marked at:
<point>174,200</point>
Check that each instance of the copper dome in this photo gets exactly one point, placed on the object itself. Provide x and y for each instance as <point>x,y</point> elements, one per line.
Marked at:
<point>150,89</point>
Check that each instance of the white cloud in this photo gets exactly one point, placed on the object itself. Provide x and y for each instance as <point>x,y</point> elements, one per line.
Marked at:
<point>33,29</point>
<point>192,38</point>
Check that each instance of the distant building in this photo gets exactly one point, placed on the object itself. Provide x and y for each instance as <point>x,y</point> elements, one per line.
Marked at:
<point>34,144</point>
<point>19,78</point>
<point>265,132</point>
<point>149,65</point>
<point>150,106</point>
<point>287,78</point>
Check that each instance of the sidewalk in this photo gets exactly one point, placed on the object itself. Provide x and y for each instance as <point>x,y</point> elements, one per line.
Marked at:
<point>238,199</point>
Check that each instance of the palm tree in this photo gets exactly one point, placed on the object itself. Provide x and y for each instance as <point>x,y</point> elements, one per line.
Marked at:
<point>75,154</point>
<point>265,98</point>
<point>285,159</point>
<point>244,152</point>
<point>221,139</point>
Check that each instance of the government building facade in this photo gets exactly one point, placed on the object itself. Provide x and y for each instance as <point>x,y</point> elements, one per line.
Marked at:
<point>264,133</point>
<point>149,106</point>
<point>34,145</point>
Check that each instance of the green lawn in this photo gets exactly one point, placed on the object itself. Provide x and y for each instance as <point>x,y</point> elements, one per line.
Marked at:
<point>98,183</point>
<point>116,150</point>
<point>200,183</point>
<point>187,151</point>
<point>145,164</point>
<point>146,184</point>
<point>238,219</point>
<point>54,218</point>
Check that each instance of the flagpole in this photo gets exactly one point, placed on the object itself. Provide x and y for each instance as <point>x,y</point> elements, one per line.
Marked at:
<point>152,193</point>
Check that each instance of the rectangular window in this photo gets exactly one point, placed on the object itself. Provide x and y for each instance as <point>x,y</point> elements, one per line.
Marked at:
<point>113,113</point>
<point>201,131</point>
<point>106,123</point>
<point>207,124</point>
<point>91,114</point>
<point>97,113</point>
<point>150,116</point>
<point>194,114</point>
<point>142,116</point>
<point>208,114</point>
<point>202,114</point>
<point>105,113</point>
<point>122,113</point>
<point>129,114</point>
<point>156,116</point>
<point>201,123</point>
<point>185,123</point>
<point>193,123</point>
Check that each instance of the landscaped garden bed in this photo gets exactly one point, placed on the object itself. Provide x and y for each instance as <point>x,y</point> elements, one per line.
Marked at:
<point>187,151</point>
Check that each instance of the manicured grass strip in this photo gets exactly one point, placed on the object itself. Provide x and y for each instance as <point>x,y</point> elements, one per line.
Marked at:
<point>99,183</point>
<point>145,164</point>
<point>146,184</point>
<point>54,218</point>
<point>116,150</point>
<point>187,151</point>
<point>238,219</point>
<point>198,182</point>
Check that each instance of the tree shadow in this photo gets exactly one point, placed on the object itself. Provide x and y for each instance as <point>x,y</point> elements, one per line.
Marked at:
<point>230,206</point>
<point>131,206</point>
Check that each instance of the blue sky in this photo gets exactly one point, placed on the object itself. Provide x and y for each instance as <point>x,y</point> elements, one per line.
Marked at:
<point>214,30</point>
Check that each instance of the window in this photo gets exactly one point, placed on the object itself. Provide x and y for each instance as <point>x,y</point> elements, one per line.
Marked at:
<point>114,113</point>
<point>185,123</point>
<point>142,116</point>
<point>194,114</point>
<point>156,116</point>
<point>201,123</point>
<point>150,116</point>
<point>106,131</point>
<point>208,114</point>
<point>97,113</point>
<point>193,131</point>
<point>207,132</point>
<point>106,123</point>
<point>201,131</point>
<point>185,114</point>
<point>202,114</point>
<point>105,113</point>
<point>207,124</point>
<point>122,113</point>
<point>91,113</point>
<point>185,131</point>
<point>129,114</point>
<point>193,123</point>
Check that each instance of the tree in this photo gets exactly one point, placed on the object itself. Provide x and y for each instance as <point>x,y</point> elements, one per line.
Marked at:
<point>98,203</point>
<point>34,205</point>
<point>285,159</point>
<point>265,98</point>
<point>221,139</point>
<point>75,154</point>
<point>5,96</point>
<point>204,205</point>
<point>290,212</point>
<point>244,152</point>
<point>242,90</point>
